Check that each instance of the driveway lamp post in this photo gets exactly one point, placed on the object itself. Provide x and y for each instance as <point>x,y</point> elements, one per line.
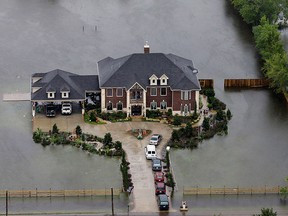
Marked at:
<point>167,157</point>
<point>128,209</point>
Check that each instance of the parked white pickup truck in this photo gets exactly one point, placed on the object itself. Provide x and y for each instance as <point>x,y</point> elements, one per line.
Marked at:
<point>66,108</point>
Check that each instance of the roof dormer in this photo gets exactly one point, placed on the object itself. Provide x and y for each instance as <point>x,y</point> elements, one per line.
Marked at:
<point>163,80</point>
<point>65,90</point>
<point>153,79</point>
<point>50,92</point>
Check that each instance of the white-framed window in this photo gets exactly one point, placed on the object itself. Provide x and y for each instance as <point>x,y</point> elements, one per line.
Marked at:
<point>163,105</point>
<point>119,92</point>
<point>109,106</point>
<point>163,91</point>
<point>64,94</point>
<point>109,92</point>
<point>153,105</point>
<point>119,106</point>
<point>153,91</point>
<point>185,95</point>
<point>51,94</point>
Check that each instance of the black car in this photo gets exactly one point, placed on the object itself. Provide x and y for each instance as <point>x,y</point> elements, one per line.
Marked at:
<point>163,202</point>
<point>156,164</point>
<point>50,110</point>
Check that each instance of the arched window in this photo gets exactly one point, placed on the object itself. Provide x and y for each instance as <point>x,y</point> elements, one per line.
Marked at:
<point>163,105</point>
<point>109,106</point>
<point>153,105</point>
<point>119,106</point>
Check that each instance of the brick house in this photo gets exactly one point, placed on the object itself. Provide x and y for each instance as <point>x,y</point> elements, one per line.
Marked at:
<point>150,81</point>
<point>133,84</point>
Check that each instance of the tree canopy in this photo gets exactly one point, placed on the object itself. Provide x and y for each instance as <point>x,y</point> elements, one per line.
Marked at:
<point>253,10</point>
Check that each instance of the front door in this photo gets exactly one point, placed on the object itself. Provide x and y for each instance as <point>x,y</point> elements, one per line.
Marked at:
<point>136,110</point>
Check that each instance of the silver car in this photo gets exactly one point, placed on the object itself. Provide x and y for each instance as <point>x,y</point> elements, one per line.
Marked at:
<point>155,139</point>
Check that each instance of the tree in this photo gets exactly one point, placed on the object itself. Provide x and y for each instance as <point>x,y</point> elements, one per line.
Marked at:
<point>78,130</point>
<point>188,130</point>
<point>229,114</point>
<point>206,124</point>
<point>37,135</point>
<point>175,135</point>
<point>107,139</point>
<point>276,69</point>
<point>177,121</point>
<point>253,11</point>
<point>267,38</point>
<point>266,212</point>
<point>55,129</point>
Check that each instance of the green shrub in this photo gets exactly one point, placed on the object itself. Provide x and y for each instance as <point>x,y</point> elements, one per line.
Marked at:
<point>177,120</point>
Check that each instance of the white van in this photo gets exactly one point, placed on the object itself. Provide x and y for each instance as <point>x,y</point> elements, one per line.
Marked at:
<point>150,152</point>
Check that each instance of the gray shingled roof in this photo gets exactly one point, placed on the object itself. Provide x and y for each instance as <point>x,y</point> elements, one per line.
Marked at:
<point>126,71</point>
<point>57,79</point>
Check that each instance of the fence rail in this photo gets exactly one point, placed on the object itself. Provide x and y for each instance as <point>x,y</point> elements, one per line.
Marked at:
<point>230,191</point>
<point>246,83</point>
<point>206,83</point>
<point>60,193</point>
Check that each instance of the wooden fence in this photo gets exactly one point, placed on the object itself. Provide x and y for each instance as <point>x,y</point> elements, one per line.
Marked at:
<point>206,83</point>
<point>60,193</point>
<point>246,83</point>
<point>230,191</point>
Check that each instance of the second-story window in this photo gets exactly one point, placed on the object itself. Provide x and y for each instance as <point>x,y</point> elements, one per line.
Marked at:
<point>185,95</point>
<point>109,92</point>
<point>163,91</point>
<point>153,91</point>
<point>119,92</point>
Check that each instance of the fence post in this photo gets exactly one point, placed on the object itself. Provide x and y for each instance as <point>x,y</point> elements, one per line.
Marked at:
<point>210,190</point>
<point>265,190</point>
<point>251,191</point>
<point>197,190</point>
<point>50,193</point>
<point>237,190</point>
<point>224,190</point>
<point>36,193</point>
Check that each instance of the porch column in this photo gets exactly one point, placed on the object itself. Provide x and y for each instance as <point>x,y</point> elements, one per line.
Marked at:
<point>128,103</point>
<point>103,101</point>
<point>144,104</point>
<point>197,99</point>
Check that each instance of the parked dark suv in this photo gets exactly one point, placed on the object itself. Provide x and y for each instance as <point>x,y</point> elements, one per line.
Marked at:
<point>163,202</point>
<point>156,164</point>
<point>50,110</point>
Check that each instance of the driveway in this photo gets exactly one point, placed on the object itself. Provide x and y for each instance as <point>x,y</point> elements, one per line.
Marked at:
<point>142,198</point>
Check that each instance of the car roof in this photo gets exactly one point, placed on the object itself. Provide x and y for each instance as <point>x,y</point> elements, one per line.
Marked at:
<point>163,197</point>
<point>160,184</point>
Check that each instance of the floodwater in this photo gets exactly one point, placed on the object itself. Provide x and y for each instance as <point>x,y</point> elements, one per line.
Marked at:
<point>72,35</point>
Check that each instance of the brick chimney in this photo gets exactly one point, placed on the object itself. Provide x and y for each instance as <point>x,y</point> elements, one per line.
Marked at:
<point>146,48</point>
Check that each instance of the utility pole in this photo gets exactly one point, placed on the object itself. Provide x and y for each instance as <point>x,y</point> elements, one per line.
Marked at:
<point>112,201</point>
<point>6,203</point>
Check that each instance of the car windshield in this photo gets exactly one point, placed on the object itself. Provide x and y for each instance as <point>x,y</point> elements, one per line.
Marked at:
<point>159,175</point>
<point>154,138</point>
<point>156,162</point>
<point>164,203</point>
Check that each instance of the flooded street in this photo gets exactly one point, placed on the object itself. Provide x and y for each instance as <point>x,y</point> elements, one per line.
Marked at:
<point>39,36</point>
